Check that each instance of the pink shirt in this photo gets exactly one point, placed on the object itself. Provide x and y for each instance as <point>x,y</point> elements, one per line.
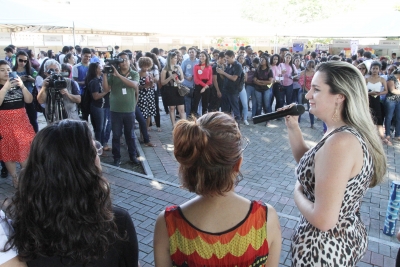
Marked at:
<point>276,70</point>
<point>287,77</point>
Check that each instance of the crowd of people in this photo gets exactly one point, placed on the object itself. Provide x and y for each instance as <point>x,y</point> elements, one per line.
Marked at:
<point>72,220</point>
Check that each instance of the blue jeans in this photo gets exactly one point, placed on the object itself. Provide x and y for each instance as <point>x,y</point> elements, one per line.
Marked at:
<point>107,130</point>
<point>392,108</point>
<point>229,101</point>
<point>263,100</point>
<point>250,91</point>
<point>243,99</point>
<point>188,105</point>
<point>99,119</point>
<point>288,94</point>
<point>142,124</point>
<point>300,101</point>
<point>124,120</point>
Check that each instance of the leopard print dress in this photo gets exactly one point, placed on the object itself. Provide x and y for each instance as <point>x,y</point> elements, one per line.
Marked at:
<point>346,243</point>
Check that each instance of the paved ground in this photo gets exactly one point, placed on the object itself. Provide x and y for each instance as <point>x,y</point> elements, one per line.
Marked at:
<point>268,171</point>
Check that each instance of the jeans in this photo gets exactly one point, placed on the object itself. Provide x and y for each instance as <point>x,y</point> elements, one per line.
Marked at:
<point>215,101</point>
<point>205,99</point>
<point>243,100</point>
<point>392,211</point>
<point>263,100</point>
<point>295,95</point>
<point>288,94</point>
<point>300,101</point>
<point>124,120</point>
<point>188,105</point>
<point>250,91</point>
<point>279,96</point>
<point>32,115</point>
<point>107,130</point>
<point>392,108</point>
<point>229,101</point>
<point>99,119</point>
<point>142,125</point>
<point>157,117</point>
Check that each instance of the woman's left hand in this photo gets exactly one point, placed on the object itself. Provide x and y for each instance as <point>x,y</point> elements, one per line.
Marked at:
<point>203,90</point>
<point>17,82</point>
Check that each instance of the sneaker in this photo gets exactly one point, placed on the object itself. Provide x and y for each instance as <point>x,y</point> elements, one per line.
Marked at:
<point>246,122</point>
<point>117,162</point>
<point>134,160</point>
<point>4,173</point>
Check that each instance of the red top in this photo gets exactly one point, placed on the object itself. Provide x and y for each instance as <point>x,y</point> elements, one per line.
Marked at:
<point>200,75</point>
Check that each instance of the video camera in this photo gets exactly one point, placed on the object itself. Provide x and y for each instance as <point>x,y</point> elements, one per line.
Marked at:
<point>113,61</point>
<point>57,81</point>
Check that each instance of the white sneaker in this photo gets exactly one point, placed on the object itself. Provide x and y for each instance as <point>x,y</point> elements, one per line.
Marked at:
<point>246,122</point>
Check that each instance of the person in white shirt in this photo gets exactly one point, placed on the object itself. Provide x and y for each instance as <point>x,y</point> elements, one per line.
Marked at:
<point>184,54</point>
<point>43,56</point>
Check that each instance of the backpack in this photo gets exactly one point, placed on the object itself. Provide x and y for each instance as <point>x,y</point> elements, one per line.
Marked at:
<point>86,100</point>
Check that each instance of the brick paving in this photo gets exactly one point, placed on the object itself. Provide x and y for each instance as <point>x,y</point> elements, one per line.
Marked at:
<point>268,170</point>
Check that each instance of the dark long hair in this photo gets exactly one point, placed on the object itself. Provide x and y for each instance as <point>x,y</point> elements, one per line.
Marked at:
<point>91,74</point>
<point>207,62</point>
<point>62,206</point>
<point>41,70</point>
<point>271,61</point>
<point>28,66</point>
<point>265,57</point>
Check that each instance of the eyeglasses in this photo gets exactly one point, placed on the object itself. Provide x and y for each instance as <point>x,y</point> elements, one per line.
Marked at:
<point>21,60</point>
<point>245,143</point>
<point>99,147</point>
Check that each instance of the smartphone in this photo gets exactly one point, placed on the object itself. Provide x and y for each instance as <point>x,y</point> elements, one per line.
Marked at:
<point>12,75</point>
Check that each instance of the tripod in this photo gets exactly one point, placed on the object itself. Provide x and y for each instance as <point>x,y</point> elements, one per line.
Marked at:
<point>55,106</point>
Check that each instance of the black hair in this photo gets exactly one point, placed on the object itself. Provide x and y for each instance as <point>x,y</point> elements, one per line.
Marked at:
<point>8,49</point>
<point>242,48</point>
<point>354,57</point>
<point>367,54</point>
<point>4,62</point>
<point>216,51</point>
<point>30,55</point>
<point>50,53</point>
<point>375,63</point>
<point>86,51</point>
<point>256,60</point>
<point>324,59</point>
<point>66,68</point>
<point>65,49</point>
<point>313,54</point>
<point>348,60</point>
<point>138,55</point>
<point>116,47</point>
<point>221,54</point>
<point>360,51</point>
<point>78,49</point>
<point>155,51</point>
<point>66,199</point>
<point>129,52</point>
<point>207,62</point>
<point>71,48</point>
<point>91,73</point>
<point>41,70</point>
<point>271,60</point>
<point>67,57</point>
<point>12,46</point>
<point>27,65</point>
<point>384,65</point>
<point>123,54</point>
<point>229,53</point>
<point>92,51</point>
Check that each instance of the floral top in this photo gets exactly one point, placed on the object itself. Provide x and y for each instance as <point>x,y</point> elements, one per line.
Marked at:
<point>391,96</point>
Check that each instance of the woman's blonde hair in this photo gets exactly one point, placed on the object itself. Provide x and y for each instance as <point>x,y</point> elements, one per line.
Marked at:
<point>343,78</point>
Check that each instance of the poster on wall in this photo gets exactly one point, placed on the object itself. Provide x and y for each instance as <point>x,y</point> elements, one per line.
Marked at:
<point>353,47</point>
<point>298,47</point>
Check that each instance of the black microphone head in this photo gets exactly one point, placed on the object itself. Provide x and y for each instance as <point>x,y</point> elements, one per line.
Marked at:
<point>300,109</point>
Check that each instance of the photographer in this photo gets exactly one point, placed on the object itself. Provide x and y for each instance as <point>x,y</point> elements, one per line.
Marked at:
<point>70,94</point>
<point>124,87</point>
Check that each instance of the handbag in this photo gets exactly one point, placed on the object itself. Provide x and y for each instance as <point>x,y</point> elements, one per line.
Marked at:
<point>183,90</point>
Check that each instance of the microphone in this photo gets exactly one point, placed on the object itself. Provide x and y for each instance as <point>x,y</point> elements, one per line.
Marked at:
<point>296,110</point>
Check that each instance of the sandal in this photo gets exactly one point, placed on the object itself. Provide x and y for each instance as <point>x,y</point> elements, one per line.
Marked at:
<point>158,129</point>
<point>387,142</point>
<point>149,144</point>
<point>106,148</point>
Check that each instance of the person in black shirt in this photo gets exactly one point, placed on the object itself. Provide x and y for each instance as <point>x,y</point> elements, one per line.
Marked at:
<point>218,83</point>
<point>62,211</point>
<point>231,88</point>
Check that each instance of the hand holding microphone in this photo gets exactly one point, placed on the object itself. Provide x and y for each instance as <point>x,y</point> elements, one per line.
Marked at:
<point>290,110</point>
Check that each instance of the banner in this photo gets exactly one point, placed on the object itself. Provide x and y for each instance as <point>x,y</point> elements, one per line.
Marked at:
<point>354,47</point>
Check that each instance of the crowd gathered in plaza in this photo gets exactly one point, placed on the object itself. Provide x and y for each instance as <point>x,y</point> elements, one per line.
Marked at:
<point>62,213</point>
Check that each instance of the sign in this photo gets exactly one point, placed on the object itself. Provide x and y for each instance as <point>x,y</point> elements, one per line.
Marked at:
<point>153,40</point>
<point>263,42</point>
<point>298,47</point>
<point>345,42</point>
<point>95,40</point>
<point>354,47</point>
<point>322,47</point>
<point>5,38</point>
<point>300,41</point>
<point>126,41</point>
<point>53,39</point>
<point>389,42</point>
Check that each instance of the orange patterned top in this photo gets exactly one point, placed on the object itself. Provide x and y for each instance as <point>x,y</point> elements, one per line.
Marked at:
<point>243,245</point>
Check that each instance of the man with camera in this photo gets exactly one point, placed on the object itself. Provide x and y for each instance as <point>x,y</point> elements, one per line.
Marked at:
<point>61,95</point>
<point>124,86</point>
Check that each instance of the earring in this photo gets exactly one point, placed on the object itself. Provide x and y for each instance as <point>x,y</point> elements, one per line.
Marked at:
<point>335,116</point>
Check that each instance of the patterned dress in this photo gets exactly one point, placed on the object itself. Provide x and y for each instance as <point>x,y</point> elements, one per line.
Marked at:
<point>146,100</point>
<point>243,245</point>
<point>346,243</point>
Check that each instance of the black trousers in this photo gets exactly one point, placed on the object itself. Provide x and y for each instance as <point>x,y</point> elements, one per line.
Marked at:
<point>205,98</point>
<point>215,101</point>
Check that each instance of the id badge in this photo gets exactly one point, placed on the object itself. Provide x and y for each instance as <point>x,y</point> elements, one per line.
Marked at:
<point>124,91</point>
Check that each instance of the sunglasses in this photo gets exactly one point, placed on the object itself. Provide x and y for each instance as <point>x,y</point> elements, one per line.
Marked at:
<point>21,60</point>
<point>362,68</point>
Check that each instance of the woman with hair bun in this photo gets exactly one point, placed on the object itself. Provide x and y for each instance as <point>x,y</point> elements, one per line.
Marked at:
<point>62,213</point>
<point>218,227</point>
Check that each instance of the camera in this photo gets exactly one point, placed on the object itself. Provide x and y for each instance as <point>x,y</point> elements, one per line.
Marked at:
<point>57,81</point>
<point>115,62</point>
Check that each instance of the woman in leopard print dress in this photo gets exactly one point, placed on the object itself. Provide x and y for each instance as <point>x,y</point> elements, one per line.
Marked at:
<point>333,176</point>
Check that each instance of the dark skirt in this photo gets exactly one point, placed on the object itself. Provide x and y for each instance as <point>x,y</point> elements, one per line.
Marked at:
<point>172,97</point>
<point>376,111</point>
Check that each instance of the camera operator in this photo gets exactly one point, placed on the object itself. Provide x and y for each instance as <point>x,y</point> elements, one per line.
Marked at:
<point>70,94</point>
<point>124,86</point>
